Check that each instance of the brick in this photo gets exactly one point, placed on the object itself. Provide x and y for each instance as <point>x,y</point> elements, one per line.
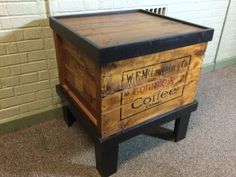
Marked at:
<point>10,81</point>
<point>32,87</point>
<point>52,64</point>
<point>54,92</point>
<point>41,7</point>
<point>47,32</point>
<point>66,6</point>
<point>35,105</point>
<point>9,112</point>
<point>2,49</point>
<point>53,73</point>
<point>56,100</point>
<point>51,53</point>
<point>23,8</point>
<point>4,72</point>
<point>7,92</point>
<point>15,70</point>
<point>45,22</point>
<point>9,60</point>
<point>43,75</point>
<point>12,59</point>
<point>33,66</point>
<point>17,100</point>
<point>37,55</point>
<point>49,43</point>
<point>19,35</point>
<point>28,78</point>
<point>25,21</point>
<point>137,3</point>
<point>6,36</point>
<point>54,82</point>
<point>34,33</point>
<point>6,23</point>
<point>23,57</point>
<point>43,94</point>
<point>90,5</point>
<point>11,48</point>
<point>3,11</point>
<point>105,4</point>
<point>120,4</point>
<point>30,45</point>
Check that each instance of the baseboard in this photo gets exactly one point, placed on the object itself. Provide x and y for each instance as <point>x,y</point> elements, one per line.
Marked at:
<point>16,124</point>
<point>219,64</point>
<point>208,67</point>
<point>224,63</point>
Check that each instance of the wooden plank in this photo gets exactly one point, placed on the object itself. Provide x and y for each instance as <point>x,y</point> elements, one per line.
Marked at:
<point>140,88</point>
<point>115,29</point>
<point>80,104</point>
<point>60,57</point>
<point>81,80</point>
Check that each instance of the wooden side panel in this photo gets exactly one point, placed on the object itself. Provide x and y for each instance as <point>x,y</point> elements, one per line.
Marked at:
<point>60,60</point>
<point>140,88</point>
<point>79,76</point>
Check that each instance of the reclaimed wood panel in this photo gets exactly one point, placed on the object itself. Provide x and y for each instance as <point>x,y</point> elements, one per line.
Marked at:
<point>121,28</point>
<point>80,77</point>
<point>125,93</point>
<point>141,88</point>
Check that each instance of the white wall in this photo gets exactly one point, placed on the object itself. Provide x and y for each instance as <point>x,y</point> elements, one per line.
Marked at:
<point>227,49</point>
<point>205,12</point>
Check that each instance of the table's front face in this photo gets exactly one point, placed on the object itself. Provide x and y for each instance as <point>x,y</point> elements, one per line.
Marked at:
<point>140,88</point>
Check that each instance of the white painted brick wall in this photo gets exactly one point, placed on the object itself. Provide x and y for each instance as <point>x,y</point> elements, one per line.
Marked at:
<point>27,59</point>
<point>28,69</point>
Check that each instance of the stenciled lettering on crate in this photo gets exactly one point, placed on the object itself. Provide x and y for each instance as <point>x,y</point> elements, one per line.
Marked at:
<point>167,81</point>
<point>137,89</point>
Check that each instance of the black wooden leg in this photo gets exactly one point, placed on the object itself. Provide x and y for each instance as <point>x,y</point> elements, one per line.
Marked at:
<point>181,126</point>
<point>106,159</point>
<point>68,116</point>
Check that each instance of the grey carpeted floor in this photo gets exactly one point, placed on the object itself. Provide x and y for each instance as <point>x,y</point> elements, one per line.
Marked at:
<point>51,149</point>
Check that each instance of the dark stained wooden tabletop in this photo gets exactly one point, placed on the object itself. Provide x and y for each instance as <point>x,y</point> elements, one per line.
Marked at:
<point>122,28</point>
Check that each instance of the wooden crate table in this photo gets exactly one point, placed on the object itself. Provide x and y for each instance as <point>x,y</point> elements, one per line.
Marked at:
<point>126,73</point>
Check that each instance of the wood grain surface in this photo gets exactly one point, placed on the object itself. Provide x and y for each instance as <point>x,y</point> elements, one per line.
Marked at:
<point>116,29</point>
<point>140,88</point>
<point>79,76</point>
<point>122,94</point>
